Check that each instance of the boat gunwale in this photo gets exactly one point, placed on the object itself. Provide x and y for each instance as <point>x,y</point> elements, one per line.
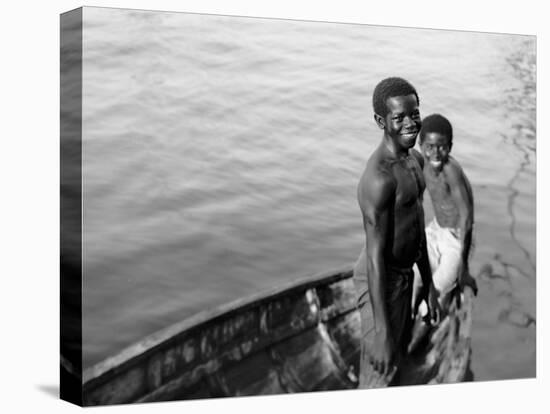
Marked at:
<point>142,349</point>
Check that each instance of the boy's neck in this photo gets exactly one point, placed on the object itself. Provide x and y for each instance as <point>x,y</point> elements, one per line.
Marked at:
<point>398,152</point>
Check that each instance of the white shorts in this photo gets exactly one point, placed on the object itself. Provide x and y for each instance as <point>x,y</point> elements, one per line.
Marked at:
<point>445,255</point>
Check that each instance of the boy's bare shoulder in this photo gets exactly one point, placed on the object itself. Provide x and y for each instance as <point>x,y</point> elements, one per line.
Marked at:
<point>418,157</point>
<point>454,171</point>
<point>378,171</point>
<point>458,182</point>
<point>377,184</point>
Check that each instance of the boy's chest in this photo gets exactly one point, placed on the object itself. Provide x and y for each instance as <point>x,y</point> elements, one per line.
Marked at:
<point>438,187</point>
<point>410,183</point>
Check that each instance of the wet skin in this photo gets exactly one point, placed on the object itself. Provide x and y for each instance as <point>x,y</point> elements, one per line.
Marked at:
<point>451,194</point>
<point>390,197</point>
<point>394,177</point>
<point>448,186</point>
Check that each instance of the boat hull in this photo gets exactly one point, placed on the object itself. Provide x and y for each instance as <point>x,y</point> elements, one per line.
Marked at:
<point>301,337</point>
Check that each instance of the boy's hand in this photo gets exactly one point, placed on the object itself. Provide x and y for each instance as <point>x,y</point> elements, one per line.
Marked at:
<point>434,309</point>
<point>466,279</point>
<point>383,353</point>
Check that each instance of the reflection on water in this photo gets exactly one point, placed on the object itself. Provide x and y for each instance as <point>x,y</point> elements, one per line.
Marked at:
<point>221,158</point>
<point>510,278</point>
<point>522,138</point>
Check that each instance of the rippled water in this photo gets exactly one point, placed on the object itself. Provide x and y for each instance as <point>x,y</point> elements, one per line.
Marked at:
<point>221,157</point>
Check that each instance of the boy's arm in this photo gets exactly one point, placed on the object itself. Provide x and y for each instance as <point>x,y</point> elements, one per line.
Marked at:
<point>375,196</point>
<point>428,290</point>
<point>423,262</point>
<point>463,198</point>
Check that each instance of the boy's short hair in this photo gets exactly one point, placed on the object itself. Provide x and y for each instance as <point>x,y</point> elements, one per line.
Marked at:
<point>436,123</point>
<point>389,88</point>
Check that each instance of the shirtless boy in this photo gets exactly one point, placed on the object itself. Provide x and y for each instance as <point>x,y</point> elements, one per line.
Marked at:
<point>390,197</point>
<point>449,235</point>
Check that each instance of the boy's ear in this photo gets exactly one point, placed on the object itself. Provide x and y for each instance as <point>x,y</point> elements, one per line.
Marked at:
<point>380,121</point>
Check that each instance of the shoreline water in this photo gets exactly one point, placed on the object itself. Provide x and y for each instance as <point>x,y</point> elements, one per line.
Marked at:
<point>222,162</point>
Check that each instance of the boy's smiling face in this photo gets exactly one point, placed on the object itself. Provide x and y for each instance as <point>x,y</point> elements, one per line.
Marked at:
<point>436,148</point>
<point>402,121</point>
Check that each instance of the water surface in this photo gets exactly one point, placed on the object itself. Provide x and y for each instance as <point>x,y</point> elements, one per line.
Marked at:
<point>221,157</point>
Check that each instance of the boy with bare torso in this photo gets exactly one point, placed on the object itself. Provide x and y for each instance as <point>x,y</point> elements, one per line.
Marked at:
<point>449,235</point>
<point>390,197</point>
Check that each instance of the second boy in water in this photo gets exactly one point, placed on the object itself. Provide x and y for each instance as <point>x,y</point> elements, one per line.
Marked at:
<point>449,235</point>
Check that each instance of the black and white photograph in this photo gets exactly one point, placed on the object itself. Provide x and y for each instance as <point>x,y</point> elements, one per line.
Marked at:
<point>277,206</point>
<point>283,206</point>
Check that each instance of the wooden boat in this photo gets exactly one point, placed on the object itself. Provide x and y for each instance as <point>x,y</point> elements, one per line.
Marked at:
<point>298,338</point>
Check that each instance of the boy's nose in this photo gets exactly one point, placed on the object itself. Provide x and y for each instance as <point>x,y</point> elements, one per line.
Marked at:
<point>408,121</point>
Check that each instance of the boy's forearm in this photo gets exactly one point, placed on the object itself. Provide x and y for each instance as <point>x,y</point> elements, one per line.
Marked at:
<point>376,283</point>
<point>466,237</point>
<point>466,244</point>
<point>423,264</point>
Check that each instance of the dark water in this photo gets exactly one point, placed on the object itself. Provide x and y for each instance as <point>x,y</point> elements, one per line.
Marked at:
<point>221,157</point>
